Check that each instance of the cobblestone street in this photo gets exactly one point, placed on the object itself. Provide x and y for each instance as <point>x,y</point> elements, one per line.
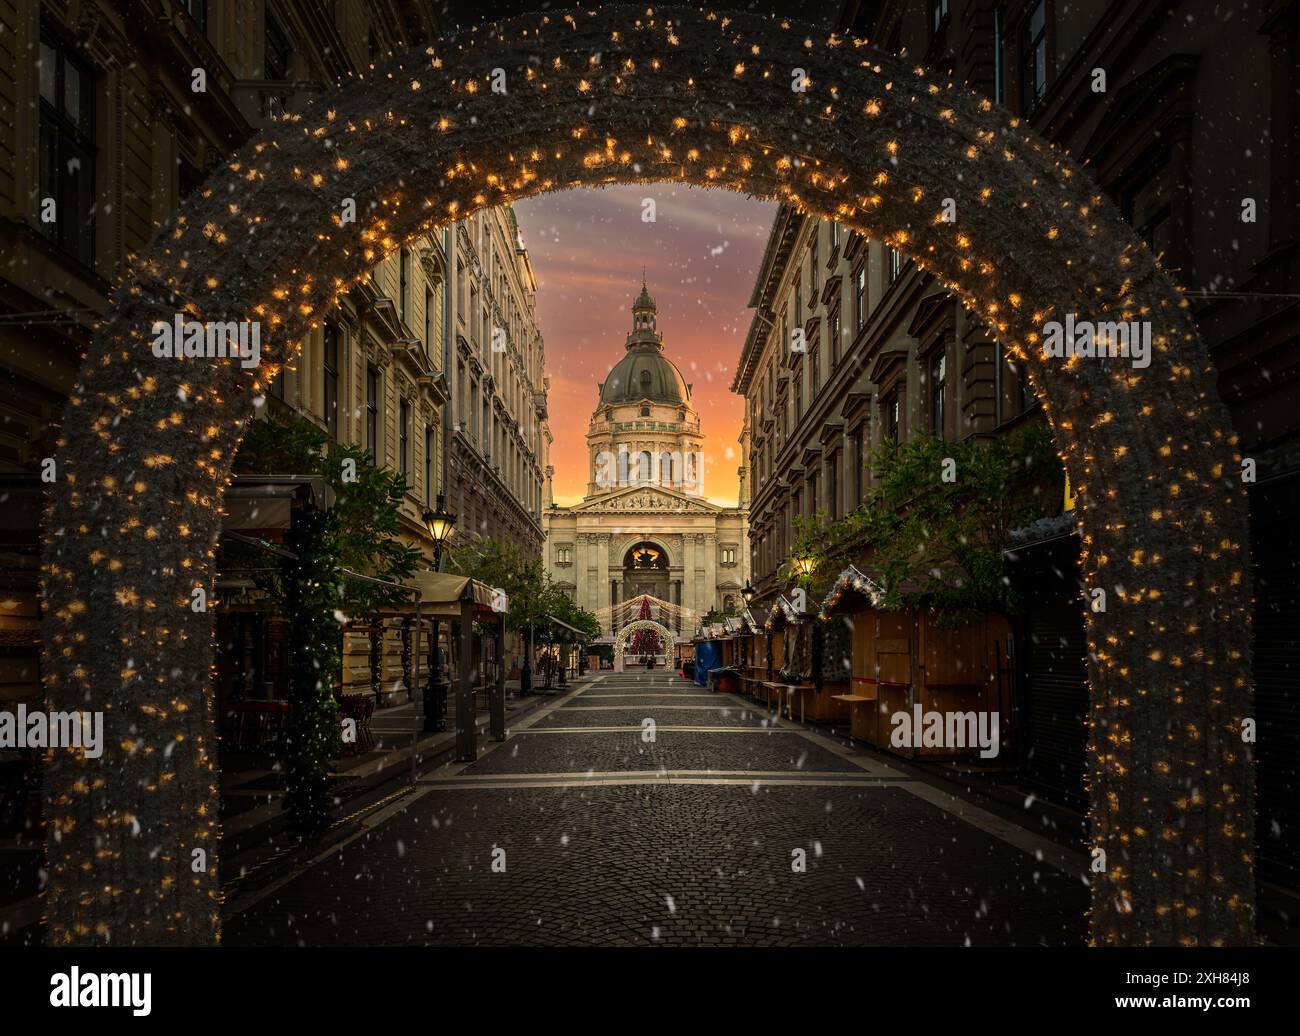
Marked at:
<point>730,827</point>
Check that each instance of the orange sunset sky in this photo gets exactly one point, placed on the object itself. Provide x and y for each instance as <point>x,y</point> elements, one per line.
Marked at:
<point>701,255</point>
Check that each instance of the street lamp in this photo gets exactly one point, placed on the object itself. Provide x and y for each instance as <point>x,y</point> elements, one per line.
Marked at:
<point>440,526</point>
<point>804,565</point>
<point>748,593</point>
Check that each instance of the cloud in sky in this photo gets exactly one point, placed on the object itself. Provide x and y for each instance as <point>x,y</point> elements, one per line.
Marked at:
<point>701,256</point>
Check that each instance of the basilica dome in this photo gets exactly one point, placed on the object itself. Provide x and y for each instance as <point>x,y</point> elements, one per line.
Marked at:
<point>644,373</point>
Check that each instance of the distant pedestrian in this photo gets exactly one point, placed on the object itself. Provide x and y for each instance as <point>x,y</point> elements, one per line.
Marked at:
<point>525,677</point>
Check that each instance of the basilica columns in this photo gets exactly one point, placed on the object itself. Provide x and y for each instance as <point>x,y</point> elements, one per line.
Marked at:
<point>600,546</point>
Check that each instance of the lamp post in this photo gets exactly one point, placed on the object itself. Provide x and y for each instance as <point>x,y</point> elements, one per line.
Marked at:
<point>748,593</point>
<point>440,526</point>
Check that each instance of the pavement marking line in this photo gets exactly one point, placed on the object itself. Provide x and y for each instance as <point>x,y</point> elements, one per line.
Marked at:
<point>653,694</point>
<point>649,778</point>
<point>660,727</point>
<point>480,780</point>
<point>1067,861</point>
<point>656,705</point>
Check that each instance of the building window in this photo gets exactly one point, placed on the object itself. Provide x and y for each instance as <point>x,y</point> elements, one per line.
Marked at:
<point>645,411</point>
<point>1033,57</point>
<point>999,62</point>
<point>893,416</point>
<point>895,264</point>
<point>860,296</point>
<point>331,343</point>
<point>428,464</point>
<point>938,13</point>
<point>938,386</point>
<point>198,11</point>
<point>645,383</point>
<point>833,488</point>
<point>728,556</point>
<point>813,499</point>
<point>814,372</point>
<point>859,464</point>
<point>67,142</point>
<point>785,332</point>
<point>428,323</point>
<point>1011,398</point>
<point>403,272</point>
<point>835,337</point>
<point>404,437</point>
<point>279,51</point>
<point>798,300</point>
<point>798,397</point>
<point>372,414</point>
<point>835,236</point>
<point>813,277</point>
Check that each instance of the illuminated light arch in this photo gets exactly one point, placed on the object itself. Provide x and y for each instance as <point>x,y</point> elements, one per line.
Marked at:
<point>615,96</point>
<point>626,633</point>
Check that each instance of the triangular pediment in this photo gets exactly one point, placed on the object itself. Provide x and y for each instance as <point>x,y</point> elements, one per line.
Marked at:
<point>646,500</point>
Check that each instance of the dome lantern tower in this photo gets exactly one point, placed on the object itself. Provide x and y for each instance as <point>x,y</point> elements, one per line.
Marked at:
<point>643,311</point>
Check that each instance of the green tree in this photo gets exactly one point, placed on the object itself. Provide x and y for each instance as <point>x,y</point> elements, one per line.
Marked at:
<point>939,519</point>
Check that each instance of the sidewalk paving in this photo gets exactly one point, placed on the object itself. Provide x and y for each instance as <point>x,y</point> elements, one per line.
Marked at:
<point>252,817</point>
<point>392,729</point>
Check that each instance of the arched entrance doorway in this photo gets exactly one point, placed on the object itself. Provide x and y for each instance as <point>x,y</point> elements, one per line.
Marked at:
<point>646,573</point>
<point>765,107</point>
<point>626,634</point>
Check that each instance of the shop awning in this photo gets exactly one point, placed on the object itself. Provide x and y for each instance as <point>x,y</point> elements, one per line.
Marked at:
<point>253,503</point>
<point>442,593</point>
<point>753,620</point>
<point>560,622</point>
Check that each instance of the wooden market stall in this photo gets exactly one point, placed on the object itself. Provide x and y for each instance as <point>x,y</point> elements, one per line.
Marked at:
<point>907,667</point>
<point>791,631</point>
<point>752,650</point>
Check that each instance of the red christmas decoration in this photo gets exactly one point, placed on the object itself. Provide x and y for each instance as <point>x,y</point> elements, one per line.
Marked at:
<point>646,642</point>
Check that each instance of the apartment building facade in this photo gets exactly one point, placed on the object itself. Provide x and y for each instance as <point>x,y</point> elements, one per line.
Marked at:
<point>498,441</point>
<point>116,112</point>
<point>1149,97</point>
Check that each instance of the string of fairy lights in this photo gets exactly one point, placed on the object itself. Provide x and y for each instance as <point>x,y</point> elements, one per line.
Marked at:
<point>642,95</point>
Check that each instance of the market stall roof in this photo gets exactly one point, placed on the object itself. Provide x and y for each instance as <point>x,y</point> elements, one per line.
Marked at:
<point>441,595</point>
<point>783,614</point>
<point>754,619</point>
<point>854,590</point>
<point>735,626</point>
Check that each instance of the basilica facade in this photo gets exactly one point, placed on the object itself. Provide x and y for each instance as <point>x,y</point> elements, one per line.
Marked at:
<point>644,527</point>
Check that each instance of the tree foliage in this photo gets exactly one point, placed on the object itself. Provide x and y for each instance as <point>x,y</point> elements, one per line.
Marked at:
<point>534,599</point>
<point>364,520</point>
<point>936,524</point>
